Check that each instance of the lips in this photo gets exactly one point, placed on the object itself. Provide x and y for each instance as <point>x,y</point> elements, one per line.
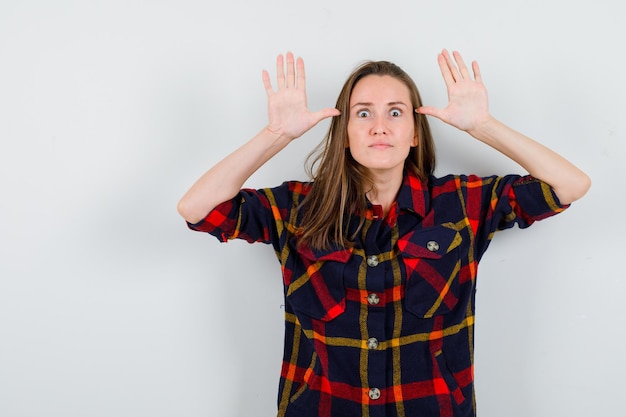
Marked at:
<point>380,145</point>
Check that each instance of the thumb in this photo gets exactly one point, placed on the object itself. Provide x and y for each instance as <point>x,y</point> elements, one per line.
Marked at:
<point>326,113</point>
<point>429,111</point>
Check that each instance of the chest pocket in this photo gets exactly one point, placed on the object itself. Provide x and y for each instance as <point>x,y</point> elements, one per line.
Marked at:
<point>316,286</point>
<point>432,261</point>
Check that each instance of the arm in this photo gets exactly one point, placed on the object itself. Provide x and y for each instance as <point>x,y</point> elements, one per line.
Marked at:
<point>468,110</point>
<point>289,118</point>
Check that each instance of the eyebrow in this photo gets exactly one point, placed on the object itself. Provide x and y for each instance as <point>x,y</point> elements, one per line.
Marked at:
<point>368,104</point>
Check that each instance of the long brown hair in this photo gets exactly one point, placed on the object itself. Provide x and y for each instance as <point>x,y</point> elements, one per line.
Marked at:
<point>340,183</point>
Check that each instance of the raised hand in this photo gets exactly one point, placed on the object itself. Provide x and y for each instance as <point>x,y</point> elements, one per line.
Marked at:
<point>288,112</point>
<point>467,97</point>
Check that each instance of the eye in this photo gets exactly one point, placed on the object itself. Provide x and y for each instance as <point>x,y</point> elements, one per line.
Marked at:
<point>395,113</point>
<point>363,113</point>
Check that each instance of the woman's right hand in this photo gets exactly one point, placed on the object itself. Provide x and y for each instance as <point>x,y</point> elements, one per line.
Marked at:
<point>288,112</point>
<point>289,118</point>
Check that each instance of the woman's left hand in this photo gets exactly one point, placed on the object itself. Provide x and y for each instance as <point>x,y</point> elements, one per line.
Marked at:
<point>468,110</point>
<point>467,97</point>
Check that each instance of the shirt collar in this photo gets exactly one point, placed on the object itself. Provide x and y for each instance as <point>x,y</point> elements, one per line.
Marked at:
<point>414,195</point>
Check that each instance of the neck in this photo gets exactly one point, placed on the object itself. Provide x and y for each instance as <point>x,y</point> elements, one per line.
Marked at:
<point>385,190</point>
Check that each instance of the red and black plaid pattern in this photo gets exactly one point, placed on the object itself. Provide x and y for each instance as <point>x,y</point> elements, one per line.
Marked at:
<point>384,328</point>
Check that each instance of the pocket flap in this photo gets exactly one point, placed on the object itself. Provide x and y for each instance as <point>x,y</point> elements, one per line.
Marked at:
<point>317,286</point>
<point>333,254</point>
<point>432,243</point>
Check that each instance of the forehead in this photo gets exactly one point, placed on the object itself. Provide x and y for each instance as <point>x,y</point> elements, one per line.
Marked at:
<point>375,88</point>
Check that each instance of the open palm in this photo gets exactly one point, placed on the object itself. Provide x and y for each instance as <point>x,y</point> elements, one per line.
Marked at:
<point>288,112</point>
<point>467,98</point>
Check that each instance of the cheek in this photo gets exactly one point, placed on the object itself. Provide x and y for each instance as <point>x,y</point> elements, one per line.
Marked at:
<point>351,133</point>
<point>412,135</point>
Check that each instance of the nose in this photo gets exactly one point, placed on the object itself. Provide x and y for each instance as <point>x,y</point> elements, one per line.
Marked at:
<point>378,126</point>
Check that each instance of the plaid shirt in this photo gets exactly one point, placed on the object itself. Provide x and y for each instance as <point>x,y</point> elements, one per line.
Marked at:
<point>384,328</point>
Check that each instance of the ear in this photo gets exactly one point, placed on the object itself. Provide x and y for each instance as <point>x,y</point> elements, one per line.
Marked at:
<point>416,128</point>
<point>416,140</point>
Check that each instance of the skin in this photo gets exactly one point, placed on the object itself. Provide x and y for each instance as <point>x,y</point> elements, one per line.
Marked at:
<point>289,118</point>
<point>468,110</point>
<point>381,132</point>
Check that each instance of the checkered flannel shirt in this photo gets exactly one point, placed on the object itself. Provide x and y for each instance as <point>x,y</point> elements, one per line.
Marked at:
<point>384,328</point>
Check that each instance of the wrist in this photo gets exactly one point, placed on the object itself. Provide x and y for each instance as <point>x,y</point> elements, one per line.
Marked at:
<point>484,129</point>
<point>275,138</point>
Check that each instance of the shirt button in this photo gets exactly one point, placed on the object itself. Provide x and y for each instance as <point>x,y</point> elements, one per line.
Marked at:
<point>372,343</point>
<point>374,393</point>
<point>372,260</point>
<point>373,299</point>
<point>432,246</point>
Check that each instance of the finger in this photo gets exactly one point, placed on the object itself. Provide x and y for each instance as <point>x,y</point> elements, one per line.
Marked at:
<point>451,66</point>
<point>301,80</point>
<point>267,83</point>
<point>477,74</point>
<point>461,65</point>
<point>445,69</point>
<point>280,72</point>
<point>290,81</point>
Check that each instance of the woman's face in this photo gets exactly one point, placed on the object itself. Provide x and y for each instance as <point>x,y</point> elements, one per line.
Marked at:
<point>381,127</point>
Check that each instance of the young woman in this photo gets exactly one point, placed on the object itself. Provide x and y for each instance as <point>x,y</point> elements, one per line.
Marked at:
<point>379,257</point>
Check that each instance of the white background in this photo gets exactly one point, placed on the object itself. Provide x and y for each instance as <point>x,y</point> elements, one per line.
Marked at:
<point>109,110</point>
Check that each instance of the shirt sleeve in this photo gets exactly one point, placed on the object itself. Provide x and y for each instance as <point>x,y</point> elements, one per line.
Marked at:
<point>252,215</point>
<point>505,202</point>
<point>523,201</point>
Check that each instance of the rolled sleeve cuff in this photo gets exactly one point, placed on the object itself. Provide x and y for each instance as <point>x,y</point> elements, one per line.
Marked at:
<point>535,200</point>
<point>220,222</point>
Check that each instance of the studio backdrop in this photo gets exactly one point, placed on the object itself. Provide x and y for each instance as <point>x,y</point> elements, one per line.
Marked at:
<point>110,110</point>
